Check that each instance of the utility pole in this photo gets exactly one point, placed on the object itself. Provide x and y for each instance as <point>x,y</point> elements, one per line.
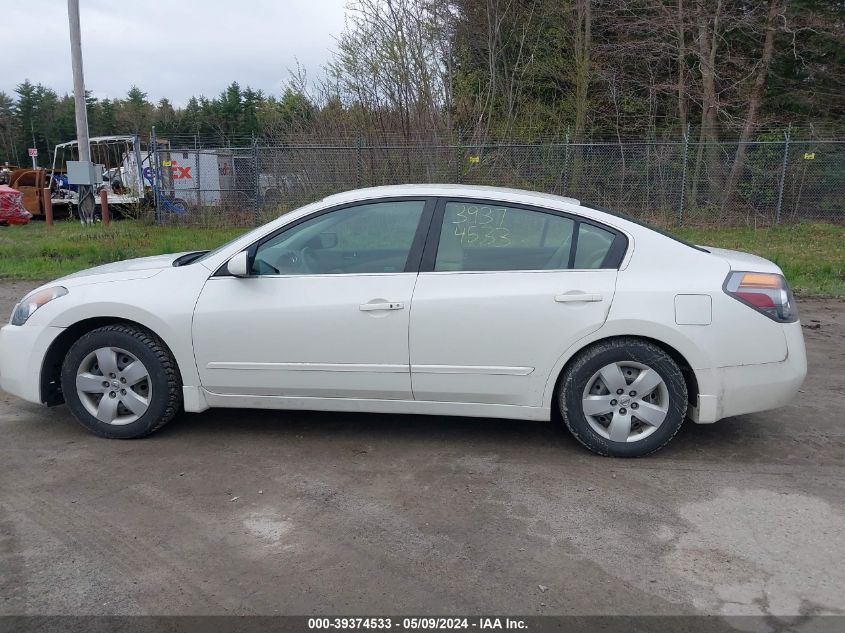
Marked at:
<point>86,193</point>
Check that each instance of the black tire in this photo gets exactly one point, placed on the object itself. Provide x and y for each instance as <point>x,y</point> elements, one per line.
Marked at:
<point>589,361</point>
<point>166,383</point>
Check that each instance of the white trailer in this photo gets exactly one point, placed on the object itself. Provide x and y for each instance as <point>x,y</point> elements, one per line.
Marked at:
<point>196,176</point>
<point>122,164</point>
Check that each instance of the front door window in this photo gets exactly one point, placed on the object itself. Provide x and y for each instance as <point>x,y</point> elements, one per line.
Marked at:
<point>368,238</point>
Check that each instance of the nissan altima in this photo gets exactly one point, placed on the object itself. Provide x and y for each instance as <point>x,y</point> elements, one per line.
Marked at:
<point>422,299</point>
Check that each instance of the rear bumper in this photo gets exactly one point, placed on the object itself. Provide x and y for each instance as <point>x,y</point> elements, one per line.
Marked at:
<point>22,351</point>
<point>729,391</point>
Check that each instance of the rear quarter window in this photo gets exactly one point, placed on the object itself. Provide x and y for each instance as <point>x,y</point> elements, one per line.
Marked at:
<point>593,246</point>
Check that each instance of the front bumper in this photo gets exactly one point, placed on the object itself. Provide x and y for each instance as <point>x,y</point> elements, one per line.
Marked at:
<point>736,390</point>
<point>22,352</point>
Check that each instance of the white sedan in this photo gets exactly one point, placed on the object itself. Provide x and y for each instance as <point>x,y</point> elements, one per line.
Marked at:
<point>424,299</point>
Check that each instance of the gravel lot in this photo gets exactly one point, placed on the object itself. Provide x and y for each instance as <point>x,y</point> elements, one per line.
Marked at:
<point>252,512</point>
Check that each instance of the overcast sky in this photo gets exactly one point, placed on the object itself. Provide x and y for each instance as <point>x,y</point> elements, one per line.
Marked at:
<point>168,48</point>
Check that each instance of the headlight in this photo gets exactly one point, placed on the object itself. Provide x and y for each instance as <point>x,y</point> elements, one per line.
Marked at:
<point>32,302</point>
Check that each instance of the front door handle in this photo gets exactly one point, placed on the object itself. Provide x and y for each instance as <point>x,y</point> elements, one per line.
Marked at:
<point>576,297</point>
<point>370,307</point>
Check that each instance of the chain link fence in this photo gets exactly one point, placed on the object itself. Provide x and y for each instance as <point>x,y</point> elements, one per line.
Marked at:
<point>670,183</point>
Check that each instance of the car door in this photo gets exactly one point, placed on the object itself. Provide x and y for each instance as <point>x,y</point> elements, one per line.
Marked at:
<point>503,291</point>
<point>324,312</point>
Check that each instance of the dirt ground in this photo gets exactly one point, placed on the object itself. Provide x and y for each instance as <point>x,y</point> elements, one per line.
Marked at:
<point>251,512</point>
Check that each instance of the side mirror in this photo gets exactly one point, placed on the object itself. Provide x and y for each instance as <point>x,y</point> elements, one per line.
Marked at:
<point>328,240</point>
<point>239,265</point>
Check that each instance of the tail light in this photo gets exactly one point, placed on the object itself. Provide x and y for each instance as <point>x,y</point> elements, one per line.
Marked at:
<point>765,292</point>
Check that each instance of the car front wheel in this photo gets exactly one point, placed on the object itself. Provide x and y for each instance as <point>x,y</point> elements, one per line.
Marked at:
<point>623,398</point>
<point>121,381</point>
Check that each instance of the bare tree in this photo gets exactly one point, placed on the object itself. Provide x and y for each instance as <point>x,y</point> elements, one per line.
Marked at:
<point>583,52</point>
<point>709,36</point>
<point>755,98</point>
<point>390,67</point>
<point>682,70</point>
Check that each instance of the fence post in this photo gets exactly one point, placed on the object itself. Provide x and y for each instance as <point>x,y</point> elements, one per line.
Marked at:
<point>139,166</point>
<point>565,163</point>
<point>459,164</point>
<point>783,173</point>
<point>359,160</point>
<point>105,218</point>
<point>155,175</point>
<point>256,209</point>
<point>199,200</point>
<point>47,204</point>
<point>684,175</point>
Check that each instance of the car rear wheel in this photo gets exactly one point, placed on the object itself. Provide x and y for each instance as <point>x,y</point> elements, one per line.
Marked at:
<point>120,381</point>
<point>623,398</point>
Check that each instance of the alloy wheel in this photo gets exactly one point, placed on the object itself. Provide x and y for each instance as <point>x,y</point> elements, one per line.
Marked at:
<point>625,401</point>
<point>114,386</point>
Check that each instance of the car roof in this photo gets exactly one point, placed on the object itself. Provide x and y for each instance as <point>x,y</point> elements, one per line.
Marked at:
<point>464,191</point>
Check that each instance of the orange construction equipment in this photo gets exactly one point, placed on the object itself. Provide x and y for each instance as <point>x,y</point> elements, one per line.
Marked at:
<point>32,183</point>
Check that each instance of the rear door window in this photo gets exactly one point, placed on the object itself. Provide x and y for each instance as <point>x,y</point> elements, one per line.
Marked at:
<point>478,236</point>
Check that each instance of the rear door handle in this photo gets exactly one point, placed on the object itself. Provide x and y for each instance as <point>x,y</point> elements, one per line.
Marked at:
<point>370,307</point>
<point>576,297</point>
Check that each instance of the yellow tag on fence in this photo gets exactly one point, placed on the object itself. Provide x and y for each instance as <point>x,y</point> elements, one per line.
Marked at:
<point>166,163</point>
<point>474,160</point>
<point>809,156</point>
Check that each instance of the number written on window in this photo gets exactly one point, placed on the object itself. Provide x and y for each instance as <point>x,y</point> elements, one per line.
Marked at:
<point>481,225</point>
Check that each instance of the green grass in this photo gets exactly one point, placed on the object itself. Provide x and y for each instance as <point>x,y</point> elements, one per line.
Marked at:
<point>811,254</point>
<point>37,251</point>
